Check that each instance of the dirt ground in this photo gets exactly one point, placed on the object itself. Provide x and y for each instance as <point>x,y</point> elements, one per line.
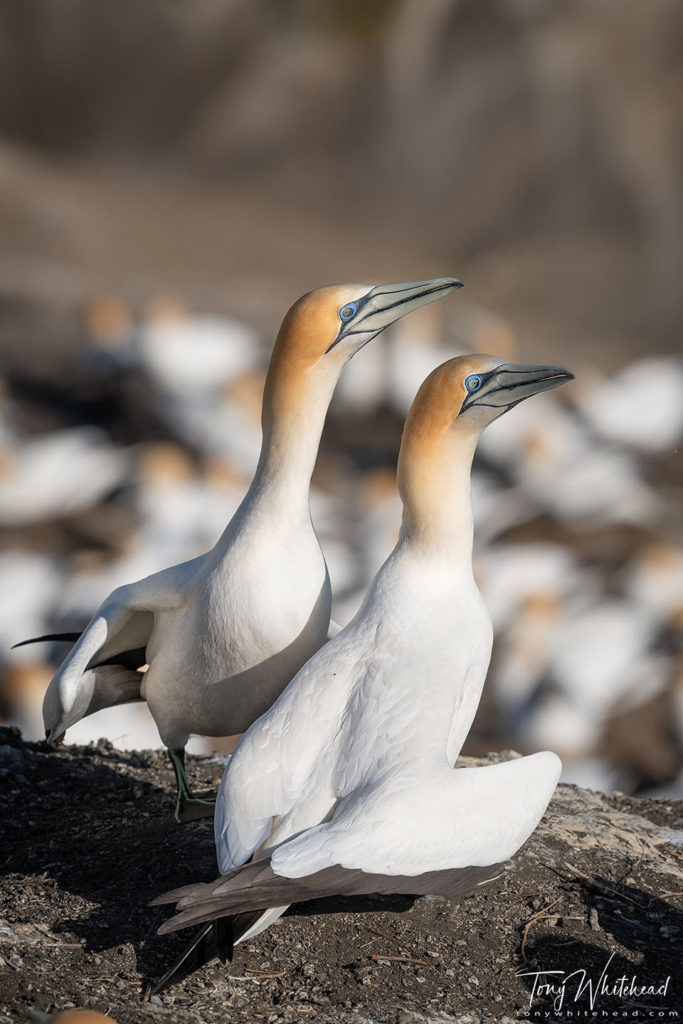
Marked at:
<point>88,839</point>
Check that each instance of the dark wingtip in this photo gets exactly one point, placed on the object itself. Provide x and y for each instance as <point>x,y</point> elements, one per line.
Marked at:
<point>201,950</point>
<point>160,901</point>
<point>170,926</point>
<point>67,638</point>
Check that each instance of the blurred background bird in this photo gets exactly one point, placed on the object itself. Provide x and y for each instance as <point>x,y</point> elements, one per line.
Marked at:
<point>153,227</point>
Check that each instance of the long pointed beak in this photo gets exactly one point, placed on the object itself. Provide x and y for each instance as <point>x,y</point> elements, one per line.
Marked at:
<point>511,383</point>
<point>386,303</point>
<point>389,302</point>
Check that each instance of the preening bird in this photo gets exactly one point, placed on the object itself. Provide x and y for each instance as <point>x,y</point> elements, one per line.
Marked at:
<point>348,783</point>
<point>224,633</point>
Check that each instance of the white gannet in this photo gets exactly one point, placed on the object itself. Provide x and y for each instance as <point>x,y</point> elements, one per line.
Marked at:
<point>184,352</point>
<point>348,784</point>
<point>31,583</point>
<point>222,423</point>
<point>58,474</point>
<point>620,407</point>
<point>224,633</point>
<point>654,580</point>
<point>563,468</point>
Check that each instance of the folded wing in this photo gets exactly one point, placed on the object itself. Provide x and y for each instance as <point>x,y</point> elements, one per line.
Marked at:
<point>101,669</point>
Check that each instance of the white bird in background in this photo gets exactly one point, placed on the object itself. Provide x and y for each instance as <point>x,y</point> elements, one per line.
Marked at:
<point>616,640</point>
<point>31,583</point>
<point>54,475</point>
<point>348,784</point>
<point>621,408</point>
<point>187,352</point>
<point>207,379</point>
<point>654,580</point>
<point>224,633</point>
<point>511,574</point>
<point>563,469</point>
<point>181,511</point>
<point>224,423</point>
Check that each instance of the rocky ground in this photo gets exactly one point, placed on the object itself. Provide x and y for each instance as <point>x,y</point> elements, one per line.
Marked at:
<point>88,839</point>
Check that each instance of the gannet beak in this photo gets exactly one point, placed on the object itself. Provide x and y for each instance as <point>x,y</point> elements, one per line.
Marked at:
<point>386,303</point>
<point>511,383</point>
<point>389,302</point>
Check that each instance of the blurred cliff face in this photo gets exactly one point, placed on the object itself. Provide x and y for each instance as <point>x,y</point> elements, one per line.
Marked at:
<point>243,150</point>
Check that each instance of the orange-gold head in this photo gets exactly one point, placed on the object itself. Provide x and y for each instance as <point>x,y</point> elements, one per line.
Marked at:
<point>454,404</point>
<point>326,327</point>
<point>475,390</point>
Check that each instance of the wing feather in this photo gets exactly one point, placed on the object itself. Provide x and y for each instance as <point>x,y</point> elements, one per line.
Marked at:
<point>256,887</point>
<point>98,672</point>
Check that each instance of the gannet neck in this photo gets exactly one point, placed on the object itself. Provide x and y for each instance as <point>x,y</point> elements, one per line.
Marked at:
<point>434,472</point>
<point>298,390</point>
<point>293,418</point>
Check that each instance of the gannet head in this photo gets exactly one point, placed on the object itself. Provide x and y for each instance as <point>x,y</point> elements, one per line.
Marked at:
<point>327,326</point>
<point>323,330</point>
<point>451,409</point>
<point>474,390</point>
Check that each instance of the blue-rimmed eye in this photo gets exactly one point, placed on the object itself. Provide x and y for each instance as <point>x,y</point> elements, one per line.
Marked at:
<point>473,382</point>
<point>346,312</point>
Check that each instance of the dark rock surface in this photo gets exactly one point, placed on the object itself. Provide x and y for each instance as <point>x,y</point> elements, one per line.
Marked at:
<point>87,839</point>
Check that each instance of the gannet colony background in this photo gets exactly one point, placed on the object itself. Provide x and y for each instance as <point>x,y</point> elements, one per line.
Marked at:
<point>173,175</point>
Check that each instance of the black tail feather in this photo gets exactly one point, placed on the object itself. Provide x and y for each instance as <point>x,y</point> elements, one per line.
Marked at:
<point>67,638</point>
<point>201,950</point>
<point>215,940</point>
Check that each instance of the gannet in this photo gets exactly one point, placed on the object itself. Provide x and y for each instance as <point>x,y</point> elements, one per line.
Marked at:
<point>57,474</point>
<point>222,423</point>
<point>186,353</point>
<point>620,407</point>
<point>619,663</point>
<point>560,464</point>
<point>348,783</point>
<point>224,633</point>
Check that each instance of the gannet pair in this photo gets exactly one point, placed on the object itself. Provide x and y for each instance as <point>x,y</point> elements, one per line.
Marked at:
<point>224,633</point>
<point>348,783</point>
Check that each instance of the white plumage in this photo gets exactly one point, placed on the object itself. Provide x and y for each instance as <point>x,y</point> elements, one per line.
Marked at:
<point>224,633</point>
<point>353,768</point>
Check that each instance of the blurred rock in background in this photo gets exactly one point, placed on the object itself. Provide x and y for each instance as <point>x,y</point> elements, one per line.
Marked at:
<point>173,174</point>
